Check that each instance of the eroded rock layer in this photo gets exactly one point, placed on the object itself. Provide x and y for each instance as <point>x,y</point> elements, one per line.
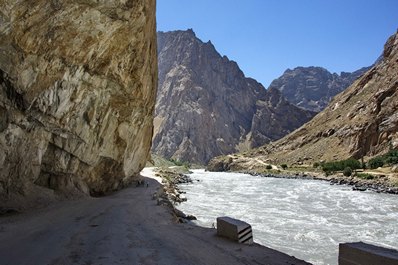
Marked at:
<point>77,92</point>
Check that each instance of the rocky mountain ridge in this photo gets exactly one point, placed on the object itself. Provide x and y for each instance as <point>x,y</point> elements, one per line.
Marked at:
<point>77,94</point>
<point>312,88</point>
<point>360,122</point>
<point>207,107</point>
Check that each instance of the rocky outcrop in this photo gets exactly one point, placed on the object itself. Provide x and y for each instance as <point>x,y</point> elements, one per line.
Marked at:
<point>312,88</point>
<point>207,107</point>
<point>360,122</point>
<point>77,93</point>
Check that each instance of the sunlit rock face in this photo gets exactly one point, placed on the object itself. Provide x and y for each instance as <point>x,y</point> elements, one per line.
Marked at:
<point>207,107</point>
<point>77,92</point>
<point>312,88</point>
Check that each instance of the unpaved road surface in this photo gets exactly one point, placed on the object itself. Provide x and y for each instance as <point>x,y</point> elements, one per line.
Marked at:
<point>124,228</point>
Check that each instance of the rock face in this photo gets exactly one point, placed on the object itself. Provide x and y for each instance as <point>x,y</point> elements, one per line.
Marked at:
<point>361,121</point>
<point>312,88</point>
<point>207,107</point>
<point>77,93</point>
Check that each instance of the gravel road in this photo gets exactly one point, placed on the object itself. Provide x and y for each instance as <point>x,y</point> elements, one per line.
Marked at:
<point>127,227</point>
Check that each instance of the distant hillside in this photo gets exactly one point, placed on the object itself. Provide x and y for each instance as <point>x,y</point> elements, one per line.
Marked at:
<point>361,121</point>
<point>207,107</point>
<point>312,88</point>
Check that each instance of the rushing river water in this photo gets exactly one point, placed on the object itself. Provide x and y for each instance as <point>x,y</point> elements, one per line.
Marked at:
<point>304,218</point>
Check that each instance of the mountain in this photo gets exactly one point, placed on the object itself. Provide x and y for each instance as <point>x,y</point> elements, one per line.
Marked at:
<point>207,107</point>
<point>312,88</point>
<point>77,94</point>
<point>361,121</point>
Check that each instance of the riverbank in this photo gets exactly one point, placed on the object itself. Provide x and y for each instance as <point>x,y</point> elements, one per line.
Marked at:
<point>384,180</point>
<point>376,184</point>
<point>127,227</point>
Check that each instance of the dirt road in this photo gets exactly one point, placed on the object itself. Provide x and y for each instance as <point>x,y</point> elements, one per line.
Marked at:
<point>124,228</point>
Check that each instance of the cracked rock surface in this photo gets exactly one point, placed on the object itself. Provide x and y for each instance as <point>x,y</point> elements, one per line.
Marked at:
<point>77,93</point>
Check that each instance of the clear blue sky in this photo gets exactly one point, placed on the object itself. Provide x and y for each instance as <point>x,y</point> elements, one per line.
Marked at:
<point>265,37</point>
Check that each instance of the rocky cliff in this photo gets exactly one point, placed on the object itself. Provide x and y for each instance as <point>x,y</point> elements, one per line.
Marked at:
<point>312,88</point>
<point>361,121</point>
<point>207,107</point>
<point>77,93</point>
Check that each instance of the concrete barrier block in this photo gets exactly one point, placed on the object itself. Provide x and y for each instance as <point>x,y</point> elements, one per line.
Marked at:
<point>234,229</point>
<point>360,253</point>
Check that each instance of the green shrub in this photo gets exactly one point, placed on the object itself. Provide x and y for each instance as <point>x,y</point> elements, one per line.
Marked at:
<point>391,157</point>
<point>352,163</point>
<point>376,162</point>
<point>347,171</point>
<point>365,176</point>
<point>180,163</point>
<point>284,166</point>
<point>316,165</point>
<point>341,165</point>
<point>268,167</point>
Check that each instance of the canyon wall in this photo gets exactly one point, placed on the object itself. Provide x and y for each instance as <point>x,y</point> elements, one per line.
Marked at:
<point>207,107</point>
<point>77,93</point>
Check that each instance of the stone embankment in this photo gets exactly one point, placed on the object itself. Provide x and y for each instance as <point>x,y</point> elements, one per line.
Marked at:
<point>171,194</point>
<point>379,184</point>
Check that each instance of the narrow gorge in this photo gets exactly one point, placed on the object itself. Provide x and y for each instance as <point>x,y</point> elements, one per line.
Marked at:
<point>207,107</point>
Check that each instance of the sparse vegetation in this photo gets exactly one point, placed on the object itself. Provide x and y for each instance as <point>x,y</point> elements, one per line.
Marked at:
<point>284,166</point>
<point>180,163</point>
<point>365,176</point>
<point>316,165</point>
<point>268,167</point>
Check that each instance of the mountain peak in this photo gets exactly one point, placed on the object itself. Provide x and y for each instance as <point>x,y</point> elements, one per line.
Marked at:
<point>206,106</point>
<point>313,87</point>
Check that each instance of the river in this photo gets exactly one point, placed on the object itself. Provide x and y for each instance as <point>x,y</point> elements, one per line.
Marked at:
<point>303,218</point>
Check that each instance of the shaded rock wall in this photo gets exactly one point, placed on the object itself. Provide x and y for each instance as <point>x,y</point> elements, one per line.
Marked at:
<point>77,92</point>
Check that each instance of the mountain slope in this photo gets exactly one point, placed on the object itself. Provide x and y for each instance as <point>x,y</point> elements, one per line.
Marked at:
<point>312,88</point>
<point>361,121</point>
<point>207,107</point>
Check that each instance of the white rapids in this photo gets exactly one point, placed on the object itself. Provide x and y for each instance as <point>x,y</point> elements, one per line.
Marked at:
<point>303,218</point>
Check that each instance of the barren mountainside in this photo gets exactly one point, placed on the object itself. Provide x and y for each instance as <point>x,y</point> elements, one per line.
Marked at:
<point>361,121</point>
<point>77,94</point>
<point>312,88</point>
<point>207,107</point>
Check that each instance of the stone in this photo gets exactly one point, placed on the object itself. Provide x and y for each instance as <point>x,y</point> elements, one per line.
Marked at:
<point>77,94</point>
<point>366,254</point>
<point>394,168</point>
<point>234,229</point>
